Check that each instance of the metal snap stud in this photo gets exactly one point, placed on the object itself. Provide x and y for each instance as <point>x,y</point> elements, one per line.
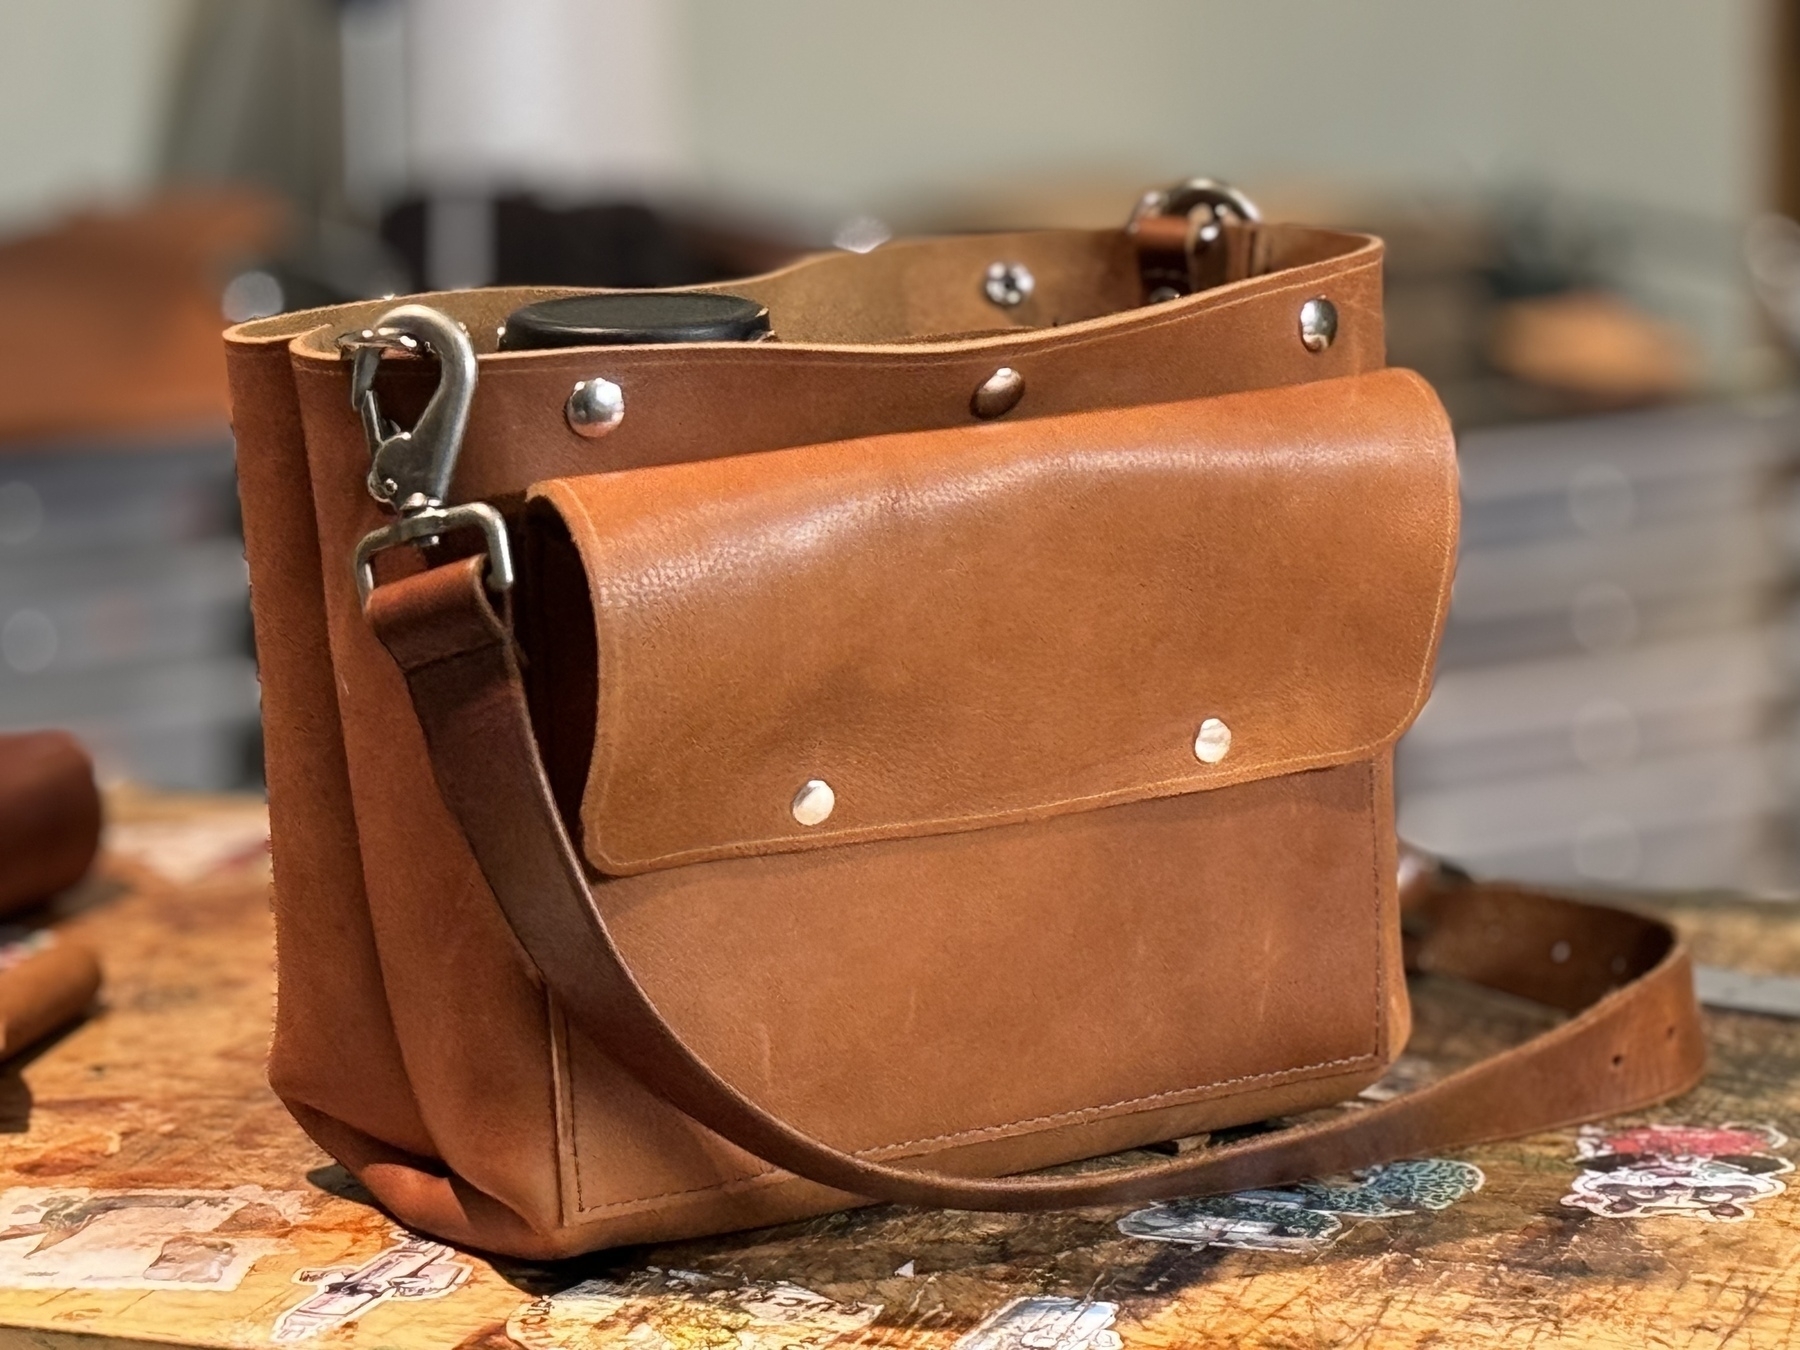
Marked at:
<point>814,801</point>
<point>1318,324</point>
<point>999,393</point>
<point>595,407</point>
<point>1212,742</point>
<point>1008,285</point>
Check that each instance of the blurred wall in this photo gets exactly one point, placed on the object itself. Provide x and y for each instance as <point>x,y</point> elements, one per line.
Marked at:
<point>832,107</point>
<point>547,91</point>
<point>1660,101</point>
<point>84,86</point>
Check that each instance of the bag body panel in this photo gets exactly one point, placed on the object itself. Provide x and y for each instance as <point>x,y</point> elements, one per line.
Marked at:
<point>1002,1000</point>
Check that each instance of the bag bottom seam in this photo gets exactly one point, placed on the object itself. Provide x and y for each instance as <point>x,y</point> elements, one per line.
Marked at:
<point>1026,1125</point>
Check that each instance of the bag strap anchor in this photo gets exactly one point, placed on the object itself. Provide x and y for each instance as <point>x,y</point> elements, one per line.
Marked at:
<point>1177,231</point>
<point>410,470</point>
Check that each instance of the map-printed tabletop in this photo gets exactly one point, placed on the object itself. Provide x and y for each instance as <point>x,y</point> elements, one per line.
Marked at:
<point>153,1191</point>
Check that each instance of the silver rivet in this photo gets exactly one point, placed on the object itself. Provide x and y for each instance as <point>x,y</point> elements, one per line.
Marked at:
<point>814,801</point>
<point>1008,285</point>
<point>1212,742</point>
<point>999,393</point>
<point>595,407</point>
<point>1318,324</point>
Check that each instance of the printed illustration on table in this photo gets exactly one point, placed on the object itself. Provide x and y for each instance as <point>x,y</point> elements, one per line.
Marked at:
<point>1714,1173</point>
<point>1309,1216</point>
<point>411,1268</point>
<point>77,1238</point>
<point>686,1310</point>
<point>1046,1322</point>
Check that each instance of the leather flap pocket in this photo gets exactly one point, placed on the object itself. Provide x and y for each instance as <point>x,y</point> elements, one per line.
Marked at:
<point>968,627</point>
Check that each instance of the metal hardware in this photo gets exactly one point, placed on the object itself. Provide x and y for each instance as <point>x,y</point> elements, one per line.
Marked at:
<point>1318,324</point>
<point>814,802</point>
<point>594,408</point>
<point>999,393</point>
<point>1008,284</point>
<point>1212,742</point>
<point>410,470</point>
<point>1188,199</point>
<point>1203,206</point>
<point>423,527</point>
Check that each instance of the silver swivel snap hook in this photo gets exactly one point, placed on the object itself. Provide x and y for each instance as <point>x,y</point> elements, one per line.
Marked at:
<point>410,468</point>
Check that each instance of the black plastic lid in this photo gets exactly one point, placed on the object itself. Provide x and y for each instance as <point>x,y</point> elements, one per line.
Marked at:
<point>634,317</point>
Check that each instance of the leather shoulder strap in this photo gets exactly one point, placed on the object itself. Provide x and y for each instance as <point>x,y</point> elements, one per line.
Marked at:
<point>1634,1037</point>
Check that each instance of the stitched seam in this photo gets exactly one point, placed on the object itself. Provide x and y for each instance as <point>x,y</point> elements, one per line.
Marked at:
<point>986,1132</point>
<point>1379,1019</point>
<point>559,1051</point>
<point>1162,787</point>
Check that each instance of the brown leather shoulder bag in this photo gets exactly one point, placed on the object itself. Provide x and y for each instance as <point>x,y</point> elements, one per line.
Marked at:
<point>718,782</point>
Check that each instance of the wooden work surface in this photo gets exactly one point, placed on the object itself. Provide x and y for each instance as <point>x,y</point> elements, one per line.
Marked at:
<point>143,1148</point>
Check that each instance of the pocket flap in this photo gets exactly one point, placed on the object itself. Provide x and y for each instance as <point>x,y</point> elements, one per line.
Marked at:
<point>975,626</point>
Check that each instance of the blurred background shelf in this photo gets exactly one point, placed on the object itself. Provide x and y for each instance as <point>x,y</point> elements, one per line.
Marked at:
<point>1614,700</point>
<point>1566,191</point>
<point>124,606</point>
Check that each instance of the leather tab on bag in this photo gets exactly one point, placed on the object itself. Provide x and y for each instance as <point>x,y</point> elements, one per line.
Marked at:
<point>1173,263</point>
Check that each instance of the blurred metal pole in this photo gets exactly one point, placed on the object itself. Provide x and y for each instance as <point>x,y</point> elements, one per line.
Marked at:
<point>257,101</point>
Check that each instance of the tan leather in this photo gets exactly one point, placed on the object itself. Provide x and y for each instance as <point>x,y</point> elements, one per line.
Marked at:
<point>1635,1040</point>
<point>332,1026</point>
<point>49,816</point>
<point>964,628</point>
<point>44,989</point>
<point>419,1043</point>
<point>863,996</point>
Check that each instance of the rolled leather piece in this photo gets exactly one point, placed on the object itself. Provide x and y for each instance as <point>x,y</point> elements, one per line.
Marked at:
<point>46,981</point>
<point>49,816</point>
